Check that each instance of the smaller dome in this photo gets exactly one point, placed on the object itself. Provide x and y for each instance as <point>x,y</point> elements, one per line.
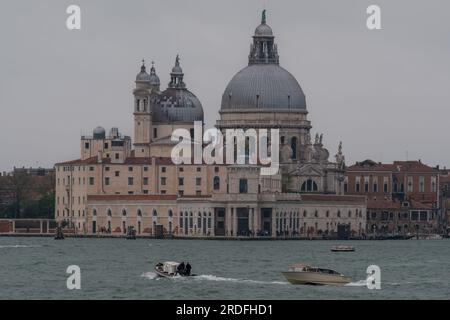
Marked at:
<point>99,133</point>
<point>177,68</point>
<point>263,30</point>
<point>153,78</point>
<point>143,75</point>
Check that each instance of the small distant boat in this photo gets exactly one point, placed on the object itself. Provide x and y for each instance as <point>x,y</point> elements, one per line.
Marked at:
<point>307,275</point>
<point>342,248</point>
<point>429,237</point>
<point>169,269</point>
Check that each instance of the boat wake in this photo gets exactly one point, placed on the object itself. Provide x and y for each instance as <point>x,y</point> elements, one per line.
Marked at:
<point>149,275</point>
<point>17,246</point>
<point>204,277</point>
<point>360,283</point>
<point>216,278</point>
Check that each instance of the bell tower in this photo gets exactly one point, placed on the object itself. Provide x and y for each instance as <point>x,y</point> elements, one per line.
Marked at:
<point>142,113</point>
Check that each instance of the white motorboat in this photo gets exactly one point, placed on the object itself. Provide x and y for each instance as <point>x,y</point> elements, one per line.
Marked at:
<point>308,275</point>
<point>342,248</point>
<point>169,269</point>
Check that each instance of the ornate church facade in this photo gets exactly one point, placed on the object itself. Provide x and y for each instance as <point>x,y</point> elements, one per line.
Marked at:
<point>118,183</point>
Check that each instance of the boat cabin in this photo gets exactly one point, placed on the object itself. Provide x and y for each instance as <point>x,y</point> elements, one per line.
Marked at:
<point>170,267</point>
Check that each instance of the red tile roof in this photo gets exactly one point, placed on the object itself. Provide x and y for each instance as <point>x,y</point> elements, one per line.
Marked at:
<point>396,166</point>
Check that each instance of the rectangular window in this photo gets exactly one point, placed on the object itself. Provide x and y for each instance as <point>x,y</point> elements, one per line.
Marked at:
<point>155,133</point>
<point>130,169</point>
<point>433,184</point>
<point>91,168</point>
<point>243,188</point>
<point>145,169</point>
<point>216,169</point>
<point>181,181</point>
<point>116,156</point>
<point>163,181</point>
<point>421,184</point>
<point>198,181</point>
<point>130,181</point>
<point>86,145</point>
<point>180,193</point>
<point>106,145</point>
<point>145,182</point>
<point>145,191</point>
<point>198,193</point>
<point>163,169</point>
<point>107,181</point>
<point>375,187</point>
<point>117,173</point>
<point>91,181</point>
<point>106,168</point>
<point>181,169</point>
<point>199,169</point>
<point>410,184</point>
<point>163,191</point>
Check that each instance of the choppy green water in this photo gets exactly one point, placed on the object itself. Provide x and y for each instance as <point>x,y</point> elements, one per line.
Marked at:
<point>35,268</point>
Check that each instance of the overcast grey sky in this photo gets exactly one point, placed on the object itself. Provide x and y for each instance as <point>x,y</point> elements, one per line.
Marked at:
<point>384,93</point>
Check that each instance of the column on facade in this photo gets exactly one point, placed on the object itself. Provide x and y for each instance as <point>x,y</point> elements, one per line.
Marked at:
<point>235,222</point>
<point>274,217</point>
<point>40,226</point>
<point>14,226</point>
<point>228,221</point>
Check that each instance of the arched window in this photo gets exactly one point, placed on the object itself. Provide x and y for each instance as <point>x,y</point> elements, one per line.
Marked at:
<point>216,183</point>
<point>155,214</point>
<point>309,186</point>
<point>170,213</point>
<point>109,213</point>
<point>139,213</point>
<point>124,212</point>
<point>294,147</point>
<point>304,214</point>
<point>94,213</point>
<point>339,214</point>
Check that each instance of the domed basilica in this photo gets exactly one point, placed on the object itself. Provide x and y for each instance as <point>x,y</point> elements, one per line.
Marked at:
<point>117,185</point>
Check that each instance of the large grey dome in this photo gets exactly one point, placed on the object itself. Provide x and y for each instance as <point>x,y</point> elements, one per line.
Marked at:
<point>177,105</point>
<point>263,86</point>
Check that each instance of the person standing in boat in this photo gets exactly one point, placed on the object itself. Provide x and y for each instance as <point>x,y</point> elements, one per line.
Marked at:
<point>181,268</point>
<point>188,269</point>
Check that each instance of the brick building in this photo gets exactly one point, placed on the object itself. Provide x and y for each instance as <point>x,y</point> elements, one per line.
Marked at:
<point>403,197</point>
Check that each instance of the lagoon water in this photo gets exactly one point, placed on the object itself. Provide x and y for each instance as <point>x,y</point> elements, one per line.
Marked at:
<point>35,268</point>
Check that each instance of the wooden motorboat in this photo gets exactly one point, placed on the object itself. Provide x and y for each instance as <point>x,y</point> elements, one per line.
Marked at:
<point>308,275</point>
<point>342,248</point>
